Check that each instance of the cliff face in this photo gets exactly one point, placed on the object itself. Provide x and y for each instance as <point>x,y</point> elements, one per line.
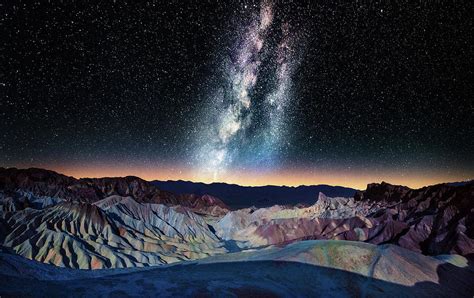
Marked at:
<point>382,192</point>
<point>439,218</point>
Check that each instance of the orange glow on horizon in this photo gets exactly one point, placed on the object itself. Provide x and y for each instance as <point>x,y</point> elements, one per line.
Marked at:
<point>290,177</point>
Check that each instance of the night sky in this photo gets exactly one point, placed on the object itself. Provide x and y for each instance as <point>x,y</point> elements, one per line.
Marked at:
<point>245,92</point>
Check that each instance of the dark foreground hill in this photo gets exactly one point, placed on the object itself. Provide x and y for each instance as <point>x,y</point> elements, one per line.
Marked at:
<point>303,269</point>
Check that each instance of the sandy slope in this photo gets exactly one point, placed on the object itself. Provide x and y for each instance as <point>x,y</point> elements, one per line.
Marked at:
<point>307,268</point>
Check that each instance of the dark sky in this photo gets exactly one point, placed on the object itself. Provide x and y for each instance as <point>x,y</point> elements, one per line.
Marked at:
<point>213,90</point>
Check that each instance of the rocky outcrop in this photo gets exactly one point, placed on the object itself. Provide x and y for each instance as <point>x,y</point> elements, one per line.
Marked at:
<point>439,219</point>
<point>382,192</point>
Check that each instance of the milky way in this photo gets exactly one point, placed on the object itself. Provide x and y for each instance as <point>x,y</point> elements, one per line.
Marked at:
<point>240,91</point>
<point>247,128</point>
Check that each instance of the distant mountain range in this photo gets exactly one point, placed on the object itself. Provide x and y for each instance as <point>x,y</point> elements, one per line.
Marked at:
<point>461,183</point>
<point>236,196</point>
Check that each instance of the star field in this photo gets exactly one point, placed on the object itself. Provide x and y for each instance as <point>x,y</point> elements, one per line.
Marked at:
<point>208,91</point>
